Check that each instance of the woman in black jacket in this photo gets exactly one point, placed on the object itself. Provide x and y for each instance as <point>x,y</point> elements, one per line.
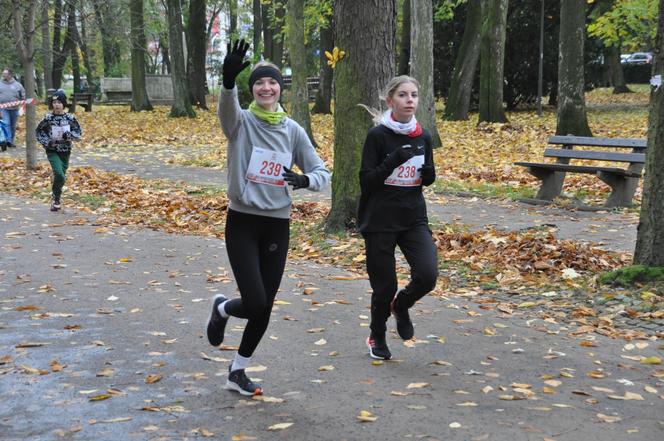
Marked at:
<point>397,160</point>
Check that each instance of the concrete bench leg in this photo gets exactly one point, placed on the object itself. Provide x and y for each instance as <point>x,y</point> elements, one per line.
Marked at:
<point>552,183</point>
<point>622,189</point>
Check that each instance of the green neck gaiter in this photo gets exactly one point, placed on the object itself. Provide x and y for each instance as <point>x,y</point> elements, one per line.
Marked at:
<point>269,117</point>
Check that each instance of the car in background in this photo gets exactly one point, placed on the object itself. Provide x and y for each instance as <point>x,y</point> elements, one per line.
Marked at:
<point>623,57</point>
<point>638,58</point>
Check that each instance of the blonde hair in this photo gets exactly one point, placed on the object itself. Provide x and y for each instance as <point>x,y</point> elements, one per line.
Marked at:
<point>388,92</point>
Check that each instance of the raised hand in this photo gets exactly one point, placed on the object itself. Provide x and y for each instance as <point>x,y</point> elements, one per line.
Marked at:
<point>234,62</point>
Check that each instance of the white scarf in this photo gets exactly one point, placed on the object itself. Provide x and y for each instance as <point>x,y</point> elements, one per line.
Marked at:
<point>396,126</point>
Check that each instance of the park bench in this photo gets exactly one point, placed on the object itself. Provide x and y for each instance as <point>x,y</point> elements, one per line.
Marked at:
<point>313,84</point>
<point>83,99</point>
<point>600,161</point>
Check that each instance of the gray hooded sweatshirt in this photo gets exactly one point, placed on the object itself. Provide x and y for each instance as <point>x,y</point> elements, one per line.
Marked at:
<point>10,91</point>
<point>245,132</point>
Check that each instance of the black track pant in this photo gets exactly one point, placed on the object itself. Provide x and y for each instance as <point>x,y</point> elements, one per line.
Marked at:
<point>257,247</point>
<point>419,250</point>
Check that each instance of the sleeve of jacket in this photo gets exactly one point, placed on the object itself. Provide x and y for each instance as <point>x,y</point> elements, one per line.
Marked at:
<point>373,170</point>
<point>307,159</point>
<point>229,112</point>
<point>74,127</point>
<point>428,160</point>
<point>43,132</point>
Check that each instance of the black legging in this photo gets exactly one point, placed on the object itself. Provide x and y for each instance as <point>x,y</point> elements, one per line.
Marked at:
<point>419,250</point>
<point>257,247</point>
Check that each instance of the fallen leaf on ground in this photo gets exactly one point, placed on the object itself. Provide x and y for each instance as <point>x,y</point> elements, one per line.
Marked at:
<point>280,426</point>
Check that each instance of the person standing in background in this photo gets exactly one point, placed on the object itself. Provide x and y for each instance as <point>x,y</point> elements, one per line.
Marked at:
<point>10,92</point>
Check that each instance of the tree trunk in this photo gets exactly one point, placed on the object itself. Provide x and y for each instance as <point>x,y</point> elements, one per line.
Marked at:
<point>232,16</point>
<point>267,31</point>
<point>258,27</point>
<point>298,61</point>
<point>325,76</point>
<point>492,61</point>
<point>166,55</point>
<point>278,35</point>
<point>649,249</point>
<point>110,47</point>
<point>72,36</point>
<point>612,57</point>
<point>421,65</point>
<point>139,95</point>
<point>196,54</point>
<point>23,18</point>
<point>366,27</point>
<point>181,105</point>
<point>87,56</point>
<point>458,101</point>
<point>404,52</point>
<point>56,79</point>
<point>572,119</point>
<point>47,55</point>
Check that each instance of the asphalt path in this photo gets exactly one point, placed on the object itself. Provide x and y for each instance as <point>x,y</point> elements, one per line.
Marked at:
<point>101,338</point>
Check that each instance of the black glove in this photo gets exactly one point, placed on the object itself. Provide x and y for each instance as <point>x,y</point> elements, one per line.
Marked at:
<point>234,62</point>
<point>66,136</point>
<point>398,157</point>
<point>295,179</point>
<point>428,174</point>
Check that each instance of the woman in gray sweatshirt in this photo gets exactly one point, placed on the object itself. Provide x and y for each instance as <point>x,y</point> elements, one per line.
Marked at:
<point>263,145</point>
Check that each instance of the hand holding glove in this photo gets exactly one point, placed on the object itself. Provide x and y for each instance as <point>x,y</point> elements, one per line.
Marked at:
<point>66,136</point>
<point>234,62</point>
<point>428,173</point>
<point>296,180</point>
<point>399,156</point>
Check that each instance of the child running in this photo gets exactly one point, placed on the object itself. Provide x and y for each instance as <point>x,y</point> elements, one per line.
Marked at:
<point>397,160</point>
<point>55,133</point>
<point>263,145</point>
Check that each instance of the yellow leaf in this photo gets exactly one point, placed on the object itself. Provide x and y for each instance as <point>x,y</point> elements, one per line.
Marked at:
<point>417,385</point>
<point>366,417</point>
<point>281,302</point>
<point>329,56</point>
<point>326,368</point>
<point>152,378</point>
<point>651,360</point>
<point>242,437</point>
<point>280,426</point>
<point>526,305</point>
<point>100,397</point>
<point>629,396</point>
<point>607,418</point>
<point>125,259</point>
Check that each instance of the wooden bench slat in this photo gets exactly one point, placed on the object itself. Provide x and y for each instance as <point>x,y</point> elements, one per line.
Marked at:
<point>632,143</point>
<point>596,155</point>
<point>579,168</point>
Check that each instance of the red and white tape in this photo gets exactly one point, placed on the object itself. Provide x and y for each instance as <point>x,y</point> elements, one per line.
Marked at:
<point>17,103</point>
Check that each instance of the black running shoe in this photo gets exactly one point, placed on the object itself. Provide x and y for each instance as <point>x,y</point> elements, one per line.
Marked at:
<point>238,381</point>
<point>404,325</point>
<point>216,323</point>
<point>378,347</point>
<point>55,205</point>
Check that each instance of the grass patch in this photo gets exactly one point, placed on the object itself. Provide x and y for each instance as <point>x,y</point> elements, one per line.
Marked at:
<point>92,201</point>
<point>632,276</point>
<point>484,189</point>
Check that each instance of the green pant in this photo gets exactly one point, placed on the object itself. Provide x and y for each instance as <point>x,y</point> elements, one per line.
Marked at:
<point>59,163</point>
